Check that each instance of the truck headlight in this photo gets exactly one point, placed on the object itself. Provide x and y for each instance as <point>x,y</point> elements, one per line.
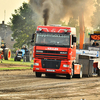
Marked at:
<point>65,65</point>
<point>36,64</point>
<point>63,52</point>
<point>37,68</point>
<point>40,51</point>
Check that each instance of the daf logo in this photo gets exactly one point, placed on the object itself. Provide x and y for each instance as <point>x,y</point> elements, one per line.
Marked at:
<point>52,49</point>
<point>53,30</point>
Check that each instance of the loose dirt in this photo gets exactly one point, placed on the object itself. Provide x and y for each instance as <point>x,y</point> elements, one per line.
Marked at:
<point>23,85</point>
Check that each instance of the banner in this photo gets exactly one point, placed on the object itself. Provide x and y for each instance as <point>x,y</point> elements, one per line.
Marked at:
<point>87,53</point>
<point>95,37</point>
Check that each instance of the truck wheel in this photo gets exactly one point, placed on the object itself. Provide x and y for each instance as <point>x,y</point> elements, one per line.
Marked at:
<point>38,74</point>
<point>7,54</point>
<point>98,71</point>
<point>69,76</point>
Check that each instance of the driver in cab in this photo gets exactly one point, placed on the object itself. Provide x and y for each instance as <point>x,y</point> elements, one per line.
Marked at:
<point>44,40</point>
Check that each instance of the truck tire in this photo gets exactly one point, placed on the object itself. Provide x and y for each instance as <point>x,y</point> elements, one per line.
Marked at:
<point>69,76</point>
<point>98,71</point>
<point>38,74</point>
<point>7,54</point>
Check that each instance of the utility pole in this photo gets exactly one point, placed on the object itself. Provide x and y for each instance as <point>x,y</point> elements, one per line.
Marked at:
<point>82,28</point>
<point>4,15</point>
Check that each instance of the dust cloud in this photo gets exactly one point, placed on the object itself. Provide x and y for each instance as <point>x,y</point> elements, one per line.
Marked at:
<point>53,11</point>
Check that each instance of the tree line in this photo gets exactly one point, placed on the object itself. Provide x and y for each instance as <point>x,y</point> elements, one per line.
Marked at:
<point>24,25</point>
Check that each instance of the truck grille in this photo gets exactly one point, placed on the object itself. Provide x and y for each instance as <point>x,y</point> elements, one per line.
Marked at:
<point>51,54</point>
<point>52,64</point>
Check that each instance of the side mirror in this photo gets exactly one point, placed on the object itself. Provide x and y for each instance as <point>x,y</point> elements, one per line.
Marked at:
<point>32,38</point>
<point>73,39</point>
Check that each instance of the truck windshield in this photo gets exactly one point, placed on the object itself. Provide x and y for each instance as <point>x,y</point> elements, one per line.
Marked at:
<point>50,39</point>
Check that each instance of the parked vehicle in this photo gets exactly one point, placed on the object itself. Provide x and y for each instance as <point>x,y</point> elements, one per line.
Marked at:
<point>24,54</point>
<point>5,52</point>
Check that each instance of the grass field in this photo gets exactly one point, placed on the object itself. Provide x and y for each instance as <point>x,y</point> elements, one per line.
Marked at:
<point>19,65</point>
<point>15,68</point>
<point>11,61</point>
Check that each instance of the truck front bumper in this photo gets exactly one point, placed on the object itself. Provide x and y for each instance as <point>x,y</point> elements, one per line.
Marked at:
<point>52,66</point>
<point>56,71</point>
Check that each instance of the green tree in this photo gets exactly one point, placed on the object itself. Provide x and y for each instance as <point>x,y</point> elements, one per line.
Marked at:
<point>22,25</point>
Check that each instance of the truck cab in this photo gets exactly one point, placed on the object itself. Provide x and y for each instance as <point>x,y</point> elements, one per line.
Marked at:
<point>55,51</point>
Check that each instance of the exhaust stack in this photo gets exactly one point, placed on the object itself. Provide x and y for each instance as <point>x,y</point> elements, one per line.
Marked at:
<point>46,16</point>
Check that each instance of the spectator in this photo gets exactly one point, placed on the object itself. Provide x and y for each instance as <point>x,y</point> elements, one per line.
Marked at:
<point>24,47</point>
<point>44,41</point>
<point>17,52</point>
<point>95,43</point>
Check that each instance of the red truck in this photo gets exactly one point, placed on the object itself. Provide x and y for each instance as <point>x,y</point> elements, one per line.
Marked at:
<point>55,52</point>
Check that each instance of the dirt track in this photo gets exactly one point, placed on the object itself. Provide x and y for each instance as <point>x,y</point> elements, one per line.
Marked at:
<point>22,85</point>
